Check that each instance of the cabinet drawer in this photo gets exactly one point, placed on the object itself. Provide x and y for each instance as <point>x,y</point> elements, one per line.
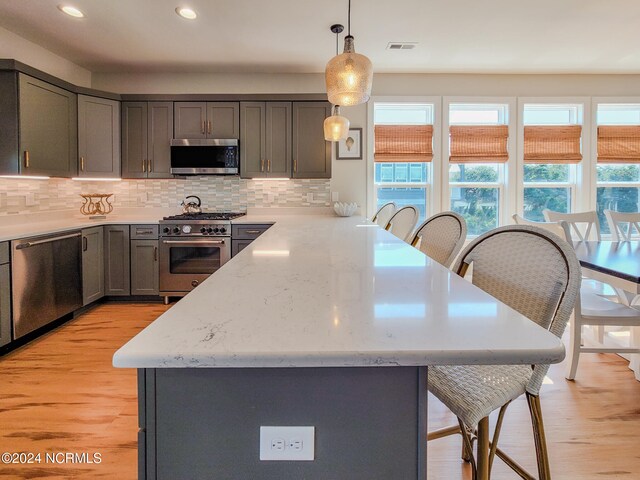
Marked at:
<point>4,252</point>
<point>142,232</point>
<point>247,231</point>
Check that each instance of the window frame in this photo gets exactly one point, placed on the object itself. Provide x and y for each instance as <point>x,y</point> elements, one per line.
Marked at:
<point>506,174</point>
<point>579,176</point>
<point>431,185</point>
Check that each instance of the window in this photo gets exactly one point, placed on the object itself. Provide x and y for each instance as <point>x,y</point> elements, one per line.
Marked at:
<point>618,167</point>
<point>552,153</point>
<point>478,136</point>
<point>403,150</point>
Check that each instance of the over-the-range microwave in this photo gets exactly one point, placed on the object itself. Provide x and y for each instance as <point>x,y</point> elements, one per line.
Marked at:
<point>205,156</point>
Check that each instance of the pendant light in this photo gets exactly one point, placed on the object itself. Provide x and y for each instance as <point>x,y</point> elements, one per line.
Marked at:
<point>336,127</point>
<point>349,75</point>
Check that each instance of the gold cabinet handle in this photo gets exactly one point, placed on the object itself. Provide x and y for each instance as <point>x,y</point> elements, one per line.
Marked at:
<point>262,165</point>
<point>144,166</point>
<point>82,164</point>
<point>203,126</point>
<point>155,254</point>
<point>149,165</point>
<point>26,159</point>
<point>209,126</point>
<point>295,165</point>
<point>268,165</point>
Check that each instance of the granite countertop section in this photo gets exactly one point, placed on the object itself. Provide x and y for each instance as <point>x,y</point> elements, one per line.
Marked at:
<point>323,291</point>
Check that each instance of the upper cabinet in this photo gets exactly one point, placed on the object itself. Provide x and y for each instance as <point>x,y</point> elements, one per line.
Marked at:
<point>311,152</point>
<point>265,139</point>
<point>98,137</point>
<point>207,119</point>
<point>147,130</point>
<point>38,127</point>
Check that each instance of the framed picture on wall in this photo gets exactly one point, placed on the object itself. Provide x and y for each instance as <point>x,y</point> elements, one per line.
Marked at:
<point>351,147</point>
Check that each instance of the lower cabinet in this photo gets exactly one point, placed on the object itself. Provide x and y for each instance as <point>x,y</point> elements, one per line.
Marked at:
<point>116,261</point>
<point>238,245</point>
<point>144,267</point>
<point>92,264</point>
<point>5,295</point>
<point>243,234</point>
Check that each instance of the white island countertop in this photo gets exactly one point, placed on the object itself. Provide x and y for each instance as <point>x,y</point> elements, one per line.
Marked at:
<point>317,291</point>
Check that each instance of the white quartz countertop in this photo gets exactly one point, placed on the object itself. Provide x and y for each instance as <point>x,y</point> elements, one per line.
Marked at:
<point>326,291</point>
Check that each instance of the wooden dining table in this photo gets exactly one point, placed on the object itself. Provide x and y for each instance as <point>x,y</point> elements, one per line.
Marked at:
<point>617,264</point>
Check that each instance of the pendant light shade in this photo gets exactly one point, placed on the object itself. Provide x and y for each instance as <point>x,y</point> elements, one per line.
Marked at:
<point>349,75</point>
<point>336,127</point>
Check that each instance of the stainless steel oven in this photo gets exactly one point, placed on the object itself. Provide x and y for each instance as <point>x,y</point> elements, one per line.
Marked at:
<point>192,247</point>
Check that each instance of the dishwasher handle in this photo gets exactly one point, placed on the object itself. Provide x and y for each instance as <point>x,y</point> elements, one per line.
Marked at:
<point>20,246</point>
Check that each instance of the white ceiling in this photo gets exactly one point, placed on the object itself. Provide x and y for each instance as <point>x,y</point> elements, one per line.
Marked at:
<point>473,36</point>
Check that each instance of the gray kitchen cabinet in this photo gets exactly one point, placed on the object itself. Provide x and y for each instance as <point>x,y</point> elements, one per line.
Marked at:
<point>207,120</point>
<point>145,273</point>
<point>265,139</point>
<point>311,152</point>
<point>38,128</point>
<point>147,130</point>
<point>116,260</point>
<point>98,137</point>
<point>5,295</point>
<point>243,234</point>
<point>92,264</point>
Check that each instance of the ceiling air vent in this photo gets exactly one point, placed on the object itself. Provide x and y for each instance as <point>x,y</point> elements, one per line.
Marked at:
<point>401,45</point>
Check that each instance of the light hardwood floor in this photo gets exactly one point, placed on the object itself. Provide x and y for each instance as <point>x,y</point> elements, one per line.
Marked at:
<point>61,394</point>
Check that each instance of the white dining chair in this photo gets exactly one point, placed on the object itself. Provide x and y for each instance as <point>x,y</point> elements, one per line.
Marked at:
<point>559,228</point>
<point>384,214</point>
<point>402,223</point>
<point>441,237</point>
<point>537,274</point>
<point>591,310</point>
<point>622,225</point>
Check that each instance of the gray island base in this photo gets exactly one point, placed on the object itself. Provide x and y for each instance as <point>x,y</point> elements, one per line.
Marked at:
<point>204,423</point>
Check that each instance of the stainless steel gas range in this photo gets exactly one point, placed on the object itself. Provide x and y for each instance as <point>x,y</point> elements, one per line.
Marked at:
<point>192,247</point>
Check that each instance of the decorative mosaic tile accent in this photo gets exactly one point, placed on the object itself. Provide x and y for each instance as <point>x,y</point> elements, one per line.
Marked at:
<point>23,196</point>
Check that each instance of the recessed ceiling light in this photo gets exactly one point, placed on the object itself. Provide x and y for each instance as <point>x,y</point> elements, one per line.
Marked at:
<point>187,13</point>
<point>72,11</point>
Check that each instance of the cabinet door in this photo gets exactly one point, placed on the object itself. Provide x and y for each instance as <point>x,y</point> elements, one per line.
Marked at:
<point>252,140</point>
<point>5,305</point>
<point>238,245</point>
<point>116,260</point>
<point>98,137</point>
<point>134,140</point>
<point>48,129</point>
<point>145,275</point>
<point>223,120</point>
<point>278,139</point>
<point>160,125</point>
<point>92,265</point>
<point>190,119</point>
<point>311,152</point>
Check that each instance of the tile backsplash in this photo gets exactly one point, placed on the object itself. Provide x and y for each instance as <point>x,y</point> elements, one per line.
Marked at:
<point>24,196</point>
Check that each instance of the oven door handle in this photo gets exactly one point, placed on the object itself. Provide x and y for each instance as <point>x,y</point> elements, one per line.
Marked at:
<point>198,242</point>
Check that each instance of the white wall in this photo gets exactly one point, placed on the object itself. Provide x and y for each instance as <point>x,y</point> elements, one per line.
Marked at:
<point>15,47</point>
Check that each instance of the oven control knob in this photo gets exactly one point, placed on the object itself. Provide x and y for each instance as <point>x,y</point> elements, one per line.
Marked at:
<point>216,230</point>
<point>210,230</point>
<point>186,228</point>
<point>176,230</point>
<point>166,230</point>
<point>222,229</point>
<point>203,230</point>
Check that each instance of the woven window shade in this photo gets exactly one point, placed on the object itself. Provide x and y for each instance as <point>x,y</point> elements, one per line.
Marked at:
<point>478,143</point>
<point>403,143</point>
<point>552,144</point>
<point>619,144</point>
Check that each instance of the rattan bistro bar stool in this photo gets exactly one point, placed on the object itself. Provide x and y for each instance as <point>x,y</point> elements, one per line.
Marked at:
<point>402,223</point>
<point>527,268</point>
<point>384,214</point>
<point>441,237</point>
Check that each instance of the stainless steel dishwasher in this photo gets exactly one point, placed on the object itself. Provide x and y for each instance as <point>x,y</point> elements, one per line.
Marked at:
<point>46,275</point>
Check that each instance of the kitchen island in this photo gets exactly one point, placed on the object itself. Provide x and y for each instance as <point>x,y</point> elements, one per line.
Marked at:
<point>325,322</point>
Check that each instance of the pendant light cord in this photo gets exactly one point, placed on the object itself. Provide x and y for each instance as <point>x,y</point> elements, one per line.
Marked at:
<point>349,20</point>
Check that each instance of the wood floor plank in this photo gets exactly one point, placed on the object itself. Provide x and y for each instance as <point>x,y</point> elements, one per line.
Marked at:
<point>61,394</point>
